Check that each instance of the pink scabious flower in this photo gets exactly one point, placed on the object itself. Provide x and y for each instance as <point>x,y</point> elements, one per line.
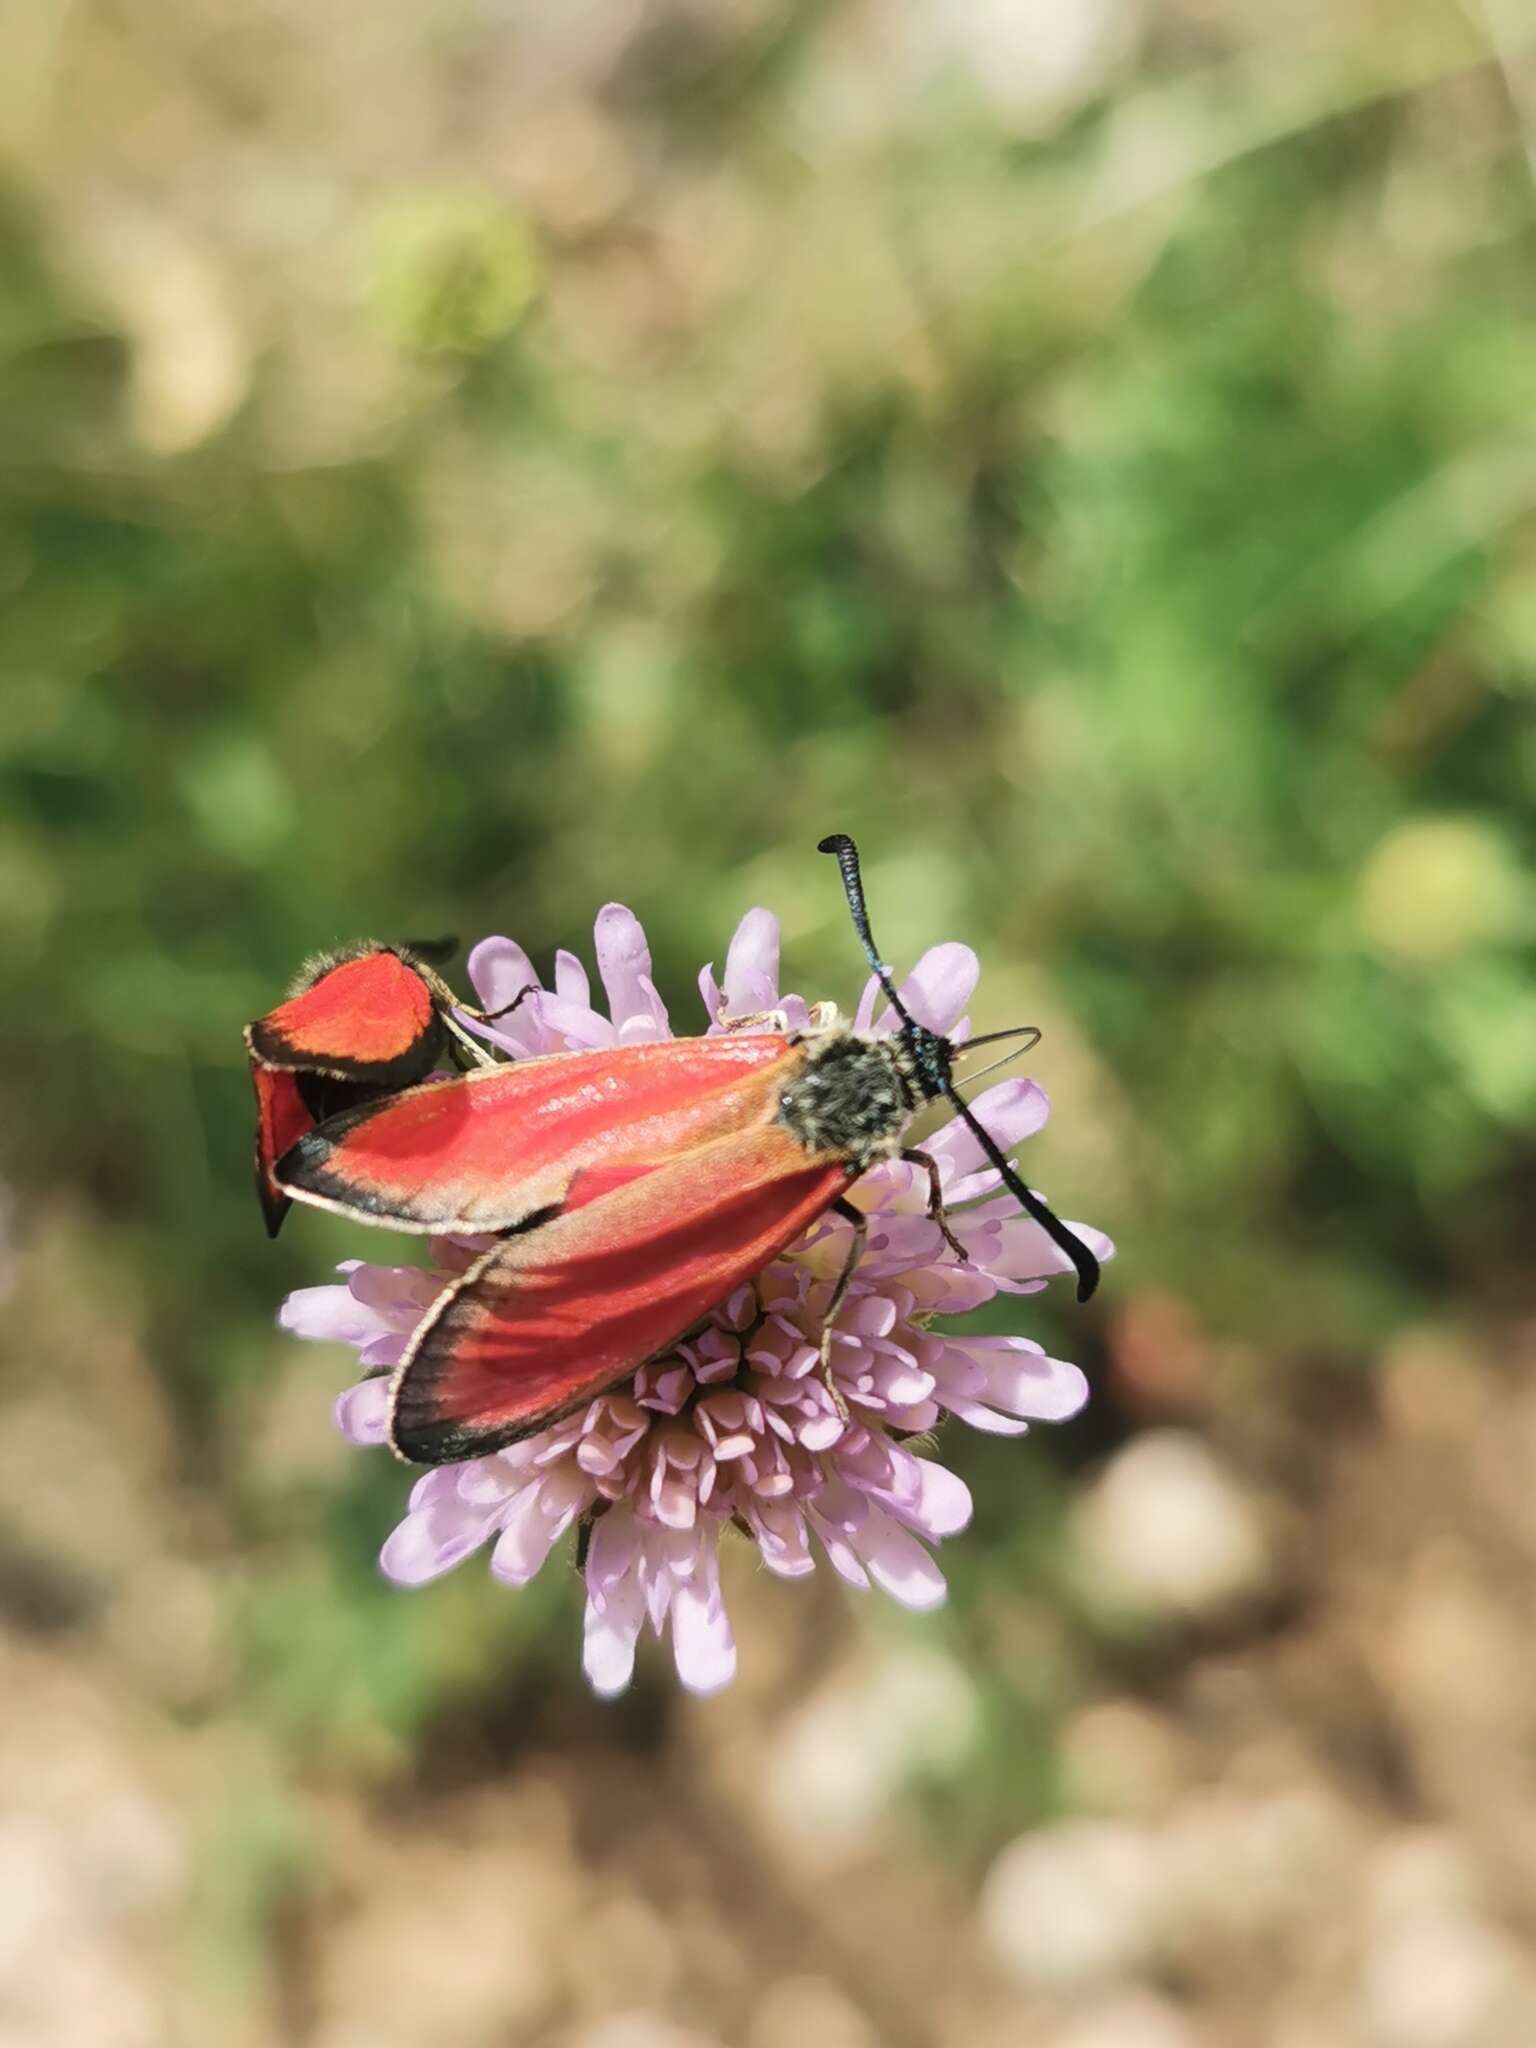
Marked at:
<point>736,1426</point>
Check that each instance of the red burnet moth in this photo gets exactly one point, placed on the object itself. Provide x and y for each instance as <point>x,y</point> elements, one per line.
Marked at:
<point>638,1186</point>
<point>357,1023</point>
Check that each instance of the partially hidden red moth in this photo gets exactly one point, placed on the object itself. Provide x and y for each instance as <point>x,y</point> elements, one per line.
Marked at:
<point>357,1024</point>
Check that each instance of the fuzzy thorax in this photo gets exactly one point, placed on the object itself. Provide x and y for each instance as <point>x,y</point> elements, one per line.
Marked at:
<point>857,1093</point>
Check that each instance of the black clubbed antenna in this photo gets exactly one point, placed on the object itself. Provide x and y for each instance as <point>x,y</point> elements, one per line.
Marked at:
<point>847,853</point>
<point>1083,1260</point>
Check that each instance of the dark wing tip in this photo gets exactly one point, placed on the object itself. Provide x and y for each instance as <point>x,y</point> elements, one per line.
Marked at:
<point>305,1168</point>
<point>266,1045</point>
<point>274,1203</point>
<point>306,1156</point>
<point>400,1069</point>
<point>423,1429</point>
<point>422,1435</point>
<point>441,1440</point>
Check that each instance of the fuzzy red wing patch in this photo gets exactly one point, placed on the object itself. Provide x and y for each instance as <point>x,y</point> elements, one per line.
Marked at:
<point>486,1151</point>
<point>545,1321</point>
<point>372,1018</point>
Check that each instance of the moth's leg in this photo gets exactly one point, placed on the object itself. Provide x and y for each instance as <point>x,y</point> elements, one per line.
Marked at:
<point>477,1051</point>
<point>584,1530</point>
<point>822,1017</point>
<point>860,1223</point>
<point>936,1210</point>
<point>529,988</point>
<point>472,1046</point>
<point>758,1020</point>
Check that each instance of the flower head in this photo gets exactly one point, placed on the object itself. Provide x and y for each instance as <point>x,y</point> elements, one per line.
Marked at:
<point>738,1425</point>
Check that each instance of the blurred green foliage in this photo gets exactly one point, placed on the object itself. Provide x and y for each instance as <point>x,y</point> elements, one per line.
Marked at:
<point>1121,521</point>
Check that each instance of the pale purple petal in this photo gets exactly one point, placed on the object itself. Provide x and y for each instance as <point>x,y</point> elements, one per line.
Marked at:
<point>782,1540</point>
<point>330,1315</point>
<point>713,998</point>
<point>797,1011</point>
<point>641,1029</point>
<point>624,962</point>
<point>522,1036</point>
<point>432,1540</point>
<point>703,1646</point>
<point>1023,1380</point>
<point>955,1364</point>
<point>937,990</point>
<point>869,1315</point>
<point>943,1506</point>
<point>968,1187</point>
<point>362,1413</point>
<point>977,1415</point>
<point>897,1238</point>
<point>952,1290</point>
<point>403,1292</point>
<point>900,1565</point>
<point>383,1354</point>
<point>657,1588</point>
<point>530,1528</point>
<point>579,1027</point>
<point>840,1552</point>
<point>609,1635</point>
<point>455,1255</point>
<point>499,970</point>
<point>895,1185</point>
<point>1025,1252</point>
<point>435,1488</point>
<point>571,983</point>
<point>1009,1113</point>
<point>614,1552</point>
<point>752,965</point>
<point>820,1432</point>
<point>490,1482</point>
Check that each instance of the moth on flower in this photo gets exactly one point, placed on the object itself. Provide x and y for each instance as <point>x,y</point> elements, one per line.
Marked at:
<point>630,1192</point>
<point>356,1024</point>
<point>737,1424</point>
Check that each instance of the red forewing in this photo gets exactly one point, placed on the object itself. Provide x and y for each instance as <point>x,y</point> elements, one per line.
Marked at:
<point>490,1149</point>
<point>287,1106</point>
<point>546,1320</point>
<point>371,1018</point>
<point>281,1120</point>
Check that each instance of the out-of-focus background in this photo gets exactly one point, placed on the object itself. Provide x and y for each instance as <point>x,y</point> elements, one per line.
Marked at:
<point>465,461</point>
